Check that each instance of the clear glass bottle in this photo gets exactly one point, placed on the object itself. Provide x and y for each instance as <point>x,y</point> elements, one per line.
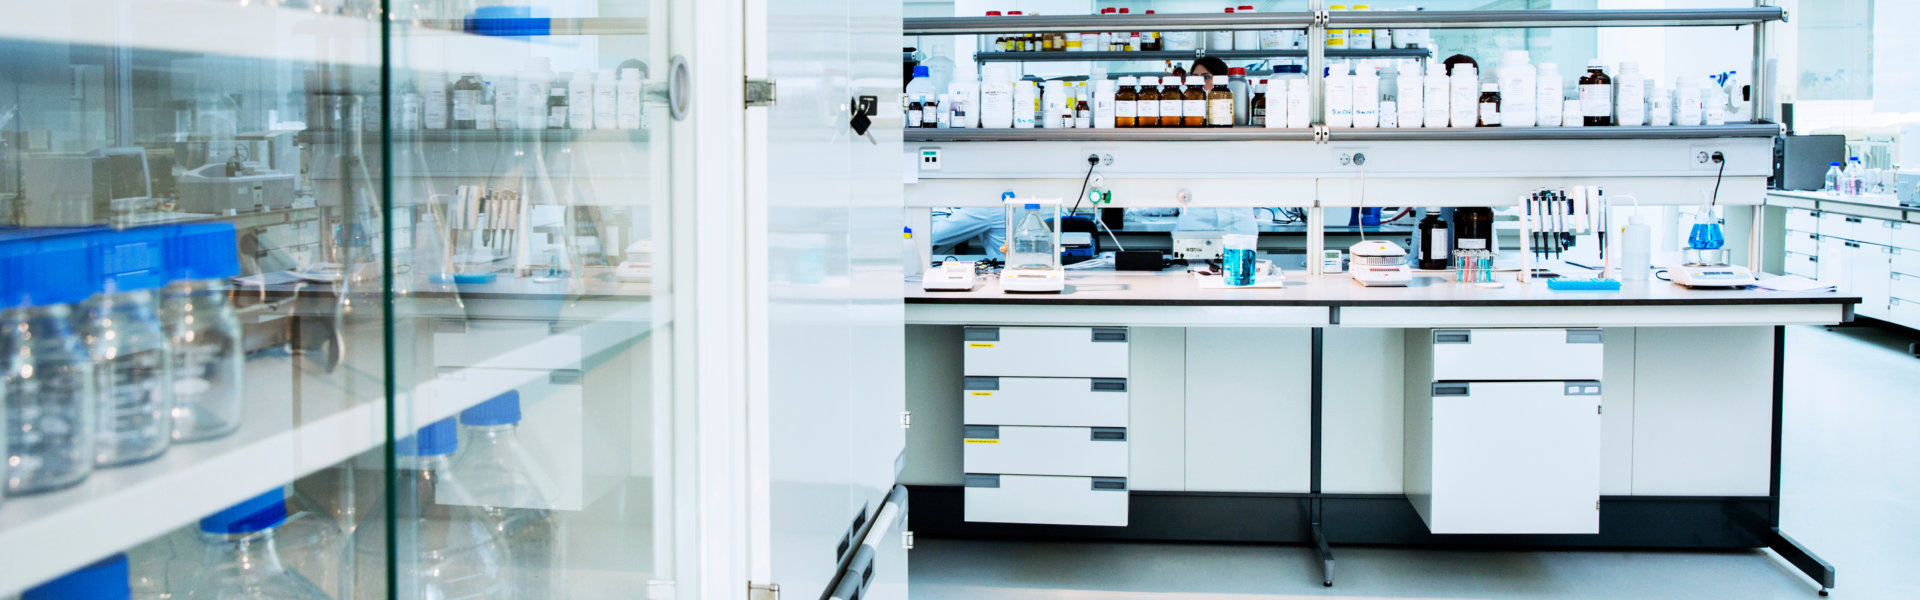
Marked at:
<point>133,365</point>
<point>242,562</point>
<point>504,477</point>
<point>103,580</point>
<point>1032,242</point>
<point>209,362</point>
<point>445,550</point>
<point>48,381</point>
<point>1834,177</point>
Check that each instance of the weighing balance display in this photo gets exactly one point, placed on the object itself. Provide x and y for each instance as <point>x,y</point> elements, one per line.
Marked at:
<point>1380,264</point>
<point>1706,259</point>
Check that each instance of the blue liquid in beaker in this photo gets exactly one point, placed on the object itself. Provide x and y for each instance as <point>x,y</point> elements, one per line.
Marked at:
<point>1706,236</point>
<point>1239,263</point>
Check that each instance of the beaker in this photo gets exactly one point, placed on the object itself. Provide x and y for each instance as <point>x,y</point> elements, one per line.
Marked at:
<point>1238,256</point>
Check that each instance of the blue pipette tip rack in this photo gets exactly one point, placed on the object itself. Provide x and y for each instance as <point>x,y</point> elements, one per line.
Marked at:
<point>1584,285</point>
<point>466,278</point>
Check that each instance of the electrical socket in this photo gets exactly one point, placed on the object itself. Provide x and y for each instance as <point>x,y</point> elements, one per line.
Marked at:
<point>1701,157</point>
<point>930,159</point>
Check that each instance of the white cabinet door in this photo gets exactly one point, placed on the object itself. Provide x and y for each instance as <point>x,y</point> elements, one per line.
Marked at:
<point>1510,457</point>
<point>1871,273</point>
<point>1833,263</point>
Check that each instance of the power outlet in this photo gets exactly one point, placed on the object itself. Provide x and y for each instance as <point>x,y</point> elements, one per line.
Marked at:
<point>1700,158</point>
<point>930,159</point>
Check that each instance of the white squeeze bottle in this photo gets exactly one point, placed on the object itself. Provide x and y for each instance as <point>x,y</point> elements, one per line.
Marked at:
<point>1464,97</point>
<point>1548,96</point>
<point>1339,98</point>
<point>1437,89</point>
<point>580,101</point>
<point>606,93</point>
<point>1298,114</point>
<point>1366,96</point>
<point>1636,248</point>
<point>1408,94</point>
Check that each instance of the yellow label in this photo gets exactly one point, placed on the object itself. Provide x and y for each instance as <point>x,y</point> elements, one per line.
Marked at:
<point>983,393</point>
<point>979,345</point>
<point>983,441</point>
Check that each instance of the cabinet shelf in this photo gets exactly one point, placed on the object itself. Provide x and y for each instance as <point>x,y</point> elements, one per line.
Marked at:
<point>532,26</point>
<point>1192,54</point>
<point>1082,23</point>
<point>1248,134</point>
<point>1429,19</point>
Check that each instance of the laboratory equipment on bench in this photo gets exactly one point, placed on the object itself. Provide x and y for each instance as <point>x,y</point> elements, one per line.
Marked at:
<point>1239,259</point>
<point>1705,257</point>
<point>950,276</point>
<point>1473,228</point>
<point>639,263</point>
<point>1380,264</point>
<point>1198,245</point>
<point>1033,261</point>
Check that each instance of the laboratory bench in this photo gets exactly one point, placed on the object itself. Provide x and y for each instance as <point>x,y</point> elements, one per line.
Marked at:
<point>1866,245</point>
<point>1137,406</point>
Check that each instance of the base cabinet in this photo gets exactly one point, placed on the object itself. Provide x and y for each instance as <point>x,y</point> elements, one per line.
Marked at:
<point>1509,457</point>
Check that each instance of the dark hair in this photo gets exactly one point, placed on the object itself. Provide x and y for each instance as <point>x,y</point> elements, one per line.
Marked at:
<point>1214,65</point>
<point>1460,59</point>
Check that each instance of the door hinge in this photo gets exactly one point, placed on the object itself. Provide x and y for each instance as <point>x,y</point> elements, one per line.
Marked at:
<point>906,419</point>
<point>906,540</point>
<point>1599,410</point>
<point>763,591</point>
<point>762,92</point>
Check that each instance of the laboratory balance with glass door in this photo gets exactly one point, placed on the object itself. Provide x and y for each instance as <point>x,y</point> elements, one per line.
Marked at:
<point>1033,251</point>
<point>1705,262</point>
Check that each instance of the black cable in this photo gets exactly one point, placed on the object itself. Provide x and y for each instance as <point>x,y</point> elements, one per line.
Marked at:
<point>1716,180</point>
<point>1092,162</point>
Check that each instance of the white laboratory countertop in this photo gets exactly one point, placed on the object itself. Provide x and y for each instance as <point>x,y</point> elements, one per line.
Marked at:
<point>1875,200</point>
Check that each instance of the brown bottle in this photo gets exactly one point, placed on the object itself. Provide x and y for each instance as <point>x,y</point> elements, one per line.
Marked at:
<point>1489,105</point>
<point>1257,107</point>
<point>1193,108</point>
<point>1596,95</point>
<point>1146,103</point>
<point>1171,102</point>
<point>1220,103</point>
<point>915,112</point>
<point>1125,110</point>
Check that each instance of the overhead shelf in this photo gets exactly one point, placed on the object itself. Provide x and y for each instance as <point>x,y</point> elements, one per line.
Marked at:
<point>1426,19</point>
<point>1513,19</point>
<point>531,26</point>
<point>476,136</point>
<point>1192,54</point>
<point>1243,134</point>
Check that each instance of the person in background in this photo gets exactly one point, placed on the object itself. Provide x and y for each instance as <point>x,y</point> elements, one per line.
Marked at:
<point>987,227</point>
<point>1206,68</point>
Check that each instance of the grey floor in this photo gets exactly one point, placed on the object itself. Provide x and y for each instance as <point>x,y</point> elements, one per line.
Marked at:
<point>1851,478</point>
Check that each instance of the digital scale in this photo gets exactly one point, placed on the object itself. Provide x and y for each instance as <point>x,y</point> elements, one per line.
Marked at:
<point>1380,264</point>
<point>950,276</point>
<point>1032,270</point>
<point>1711,276</point>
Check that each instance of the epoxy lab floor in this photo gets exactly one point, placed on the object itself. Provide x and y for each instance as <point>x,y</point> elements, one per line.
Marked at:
<point>1851,478</point>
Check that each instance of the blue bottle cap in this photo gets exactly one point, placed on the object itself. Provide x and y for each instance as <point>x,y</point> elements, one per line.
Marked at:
<point>503,409</point>
<point>1033,207</point>
<point>104,580</point>
<point>203,251</point>
<point>50,271</point>
<point>1833,164</point>
<point>1004,196</point>
<point>264,511</point>
<point>921,71</point>
<point>130,260</point>
<point>441,437</point>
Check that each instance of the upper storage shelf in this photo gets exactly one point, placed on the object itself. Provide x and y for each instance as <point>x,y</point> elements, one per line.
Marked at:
<point>1429,19</point>
<point>1193,54</point>
<point>1250,134</point>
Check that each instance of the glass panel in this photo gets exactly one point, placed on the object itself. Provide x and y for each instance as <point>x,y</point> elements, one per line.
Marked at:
<point>531,353</point>
<point>191,289</point>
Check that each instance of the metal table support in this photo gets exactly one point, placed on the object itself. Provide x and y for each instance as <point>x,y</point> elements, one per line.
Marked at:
<point>1799,556</point>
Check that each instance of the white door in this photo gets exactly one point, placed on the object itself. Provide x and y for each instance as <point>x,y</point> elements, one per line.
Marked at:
<point>1871,269</point>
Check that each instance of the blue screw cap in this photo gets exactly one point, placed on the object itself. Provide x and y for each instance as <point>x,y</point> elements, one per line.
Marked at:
<point>503,409</point>
<point>104,580</point>
<point>442,437</point>
<point>203,251</point>
<point>921,71</point>
<point>130,260</point>
<point>261,512</point>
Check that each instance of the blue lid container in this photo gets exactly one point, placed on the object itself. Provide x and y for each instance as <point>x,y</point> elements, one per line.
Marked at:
<point>442,437</point>
<point>104,580</point>
<point>203,251</point>
<point>47,272</point>
<point>129,260</point>
<point>261,512</point>
<point>503,409</point>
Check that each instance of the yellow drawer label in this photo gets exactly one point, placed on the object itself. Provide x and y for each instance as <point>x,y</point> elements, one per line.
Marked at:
<point>983,393</point>
<point>983,441</point>
<point>979,345</point>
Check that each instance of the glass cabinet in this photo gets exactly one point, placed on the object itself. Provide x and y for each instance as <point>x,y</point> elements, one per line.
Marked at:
<point>313,300</point>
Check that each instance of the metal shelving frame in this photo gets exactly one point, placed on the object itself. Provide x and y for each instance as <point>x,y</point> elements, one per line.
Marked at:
<point>1419,53</point>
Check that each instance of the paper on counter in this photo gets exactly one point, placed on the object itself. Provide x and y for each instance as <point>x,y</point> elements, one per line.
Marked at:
<point>1791,283</point>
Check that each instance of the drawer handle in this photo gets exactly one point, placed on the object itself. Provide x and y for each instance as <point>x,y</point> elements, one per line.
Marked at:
<point>1109,434</point>
<point>982,334</point>
<point>1110,484</point>
<point>1450,389</point>
<point>1110,334</point>
<point>565,377</point>
<point>1109,385</point>
<point>1452,336</point>
<point>982,432</point>
<point>1583,388</point>
<point>982,481</point>
<point>1853,219</point>
<point>984,384</point>
<point>1585,336</point>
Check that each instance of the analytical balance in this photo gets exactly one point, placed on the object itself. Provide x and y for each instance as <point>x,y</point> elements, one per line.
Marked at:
<point>1705,264</point>
<point>1380,264</point>
<point>1033,253</point>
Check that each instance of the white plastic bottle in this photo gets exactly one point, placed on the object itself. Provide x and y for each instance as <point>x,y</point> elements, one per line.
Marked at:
<point>1026,102</point>
<point>1103,104</point>
<point>433,92</point>
<point>1659,106</point>
<point>1366,97</point>
<point>1339,90</point>
<point>1713,102</point>
<point>1464,95</point>
<point>921,85</point>
<point>1630,88</point>
<point>1549,95</point>
<point>965,96</point>
<point>1573,114</point>
<point>606,94</point>
<point>1518,91</point>
<point>580,101</point>
<point>996,97</point>
<point>1360,39</point>
<point>1436,88</point>
<point>1299,104</point>
<point>1636,250</point>
<point>506,102</point>
<point>1686,103</point>
<point>533,92</point>
<point>1408,95</point>
<point>1220,40</point>
<point>1248,39</point>
<point>627,104</point>
<point>501,475</point>
<point>942,117</point>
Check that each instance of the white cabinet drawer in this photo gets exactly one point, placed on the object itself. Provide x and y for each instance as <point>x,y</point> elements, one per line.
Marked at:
<point>1800,219</point>
<point>1020,450</point>
<point>1801,264</point>
<point>1873,231</point>
<point>1904,286</point>
<point>1904,312</point>
<point>1803,243</point>
<point>1906,261</point>
<point>1061,402</point>
<point>1046,351</point>
<point>1514,457</point>
<point>1517,354</point>
<point>486,342</point>
<point>1837,225</point>
<point>1046,500</point>
<point>1903,235</point>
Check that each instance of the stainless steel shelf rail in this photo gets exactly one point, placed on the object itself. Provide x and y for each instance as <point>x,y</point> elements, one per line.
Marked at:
<point>1192,54</point>
<point>1246,134</point>
<point>1083,23</point>
<point>1515,19</point>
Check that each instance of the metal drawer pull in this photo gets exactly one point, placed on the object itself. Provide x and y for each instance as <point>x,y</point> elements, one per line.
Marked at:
<point>1113,484</point>
<point>1109,434</point>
